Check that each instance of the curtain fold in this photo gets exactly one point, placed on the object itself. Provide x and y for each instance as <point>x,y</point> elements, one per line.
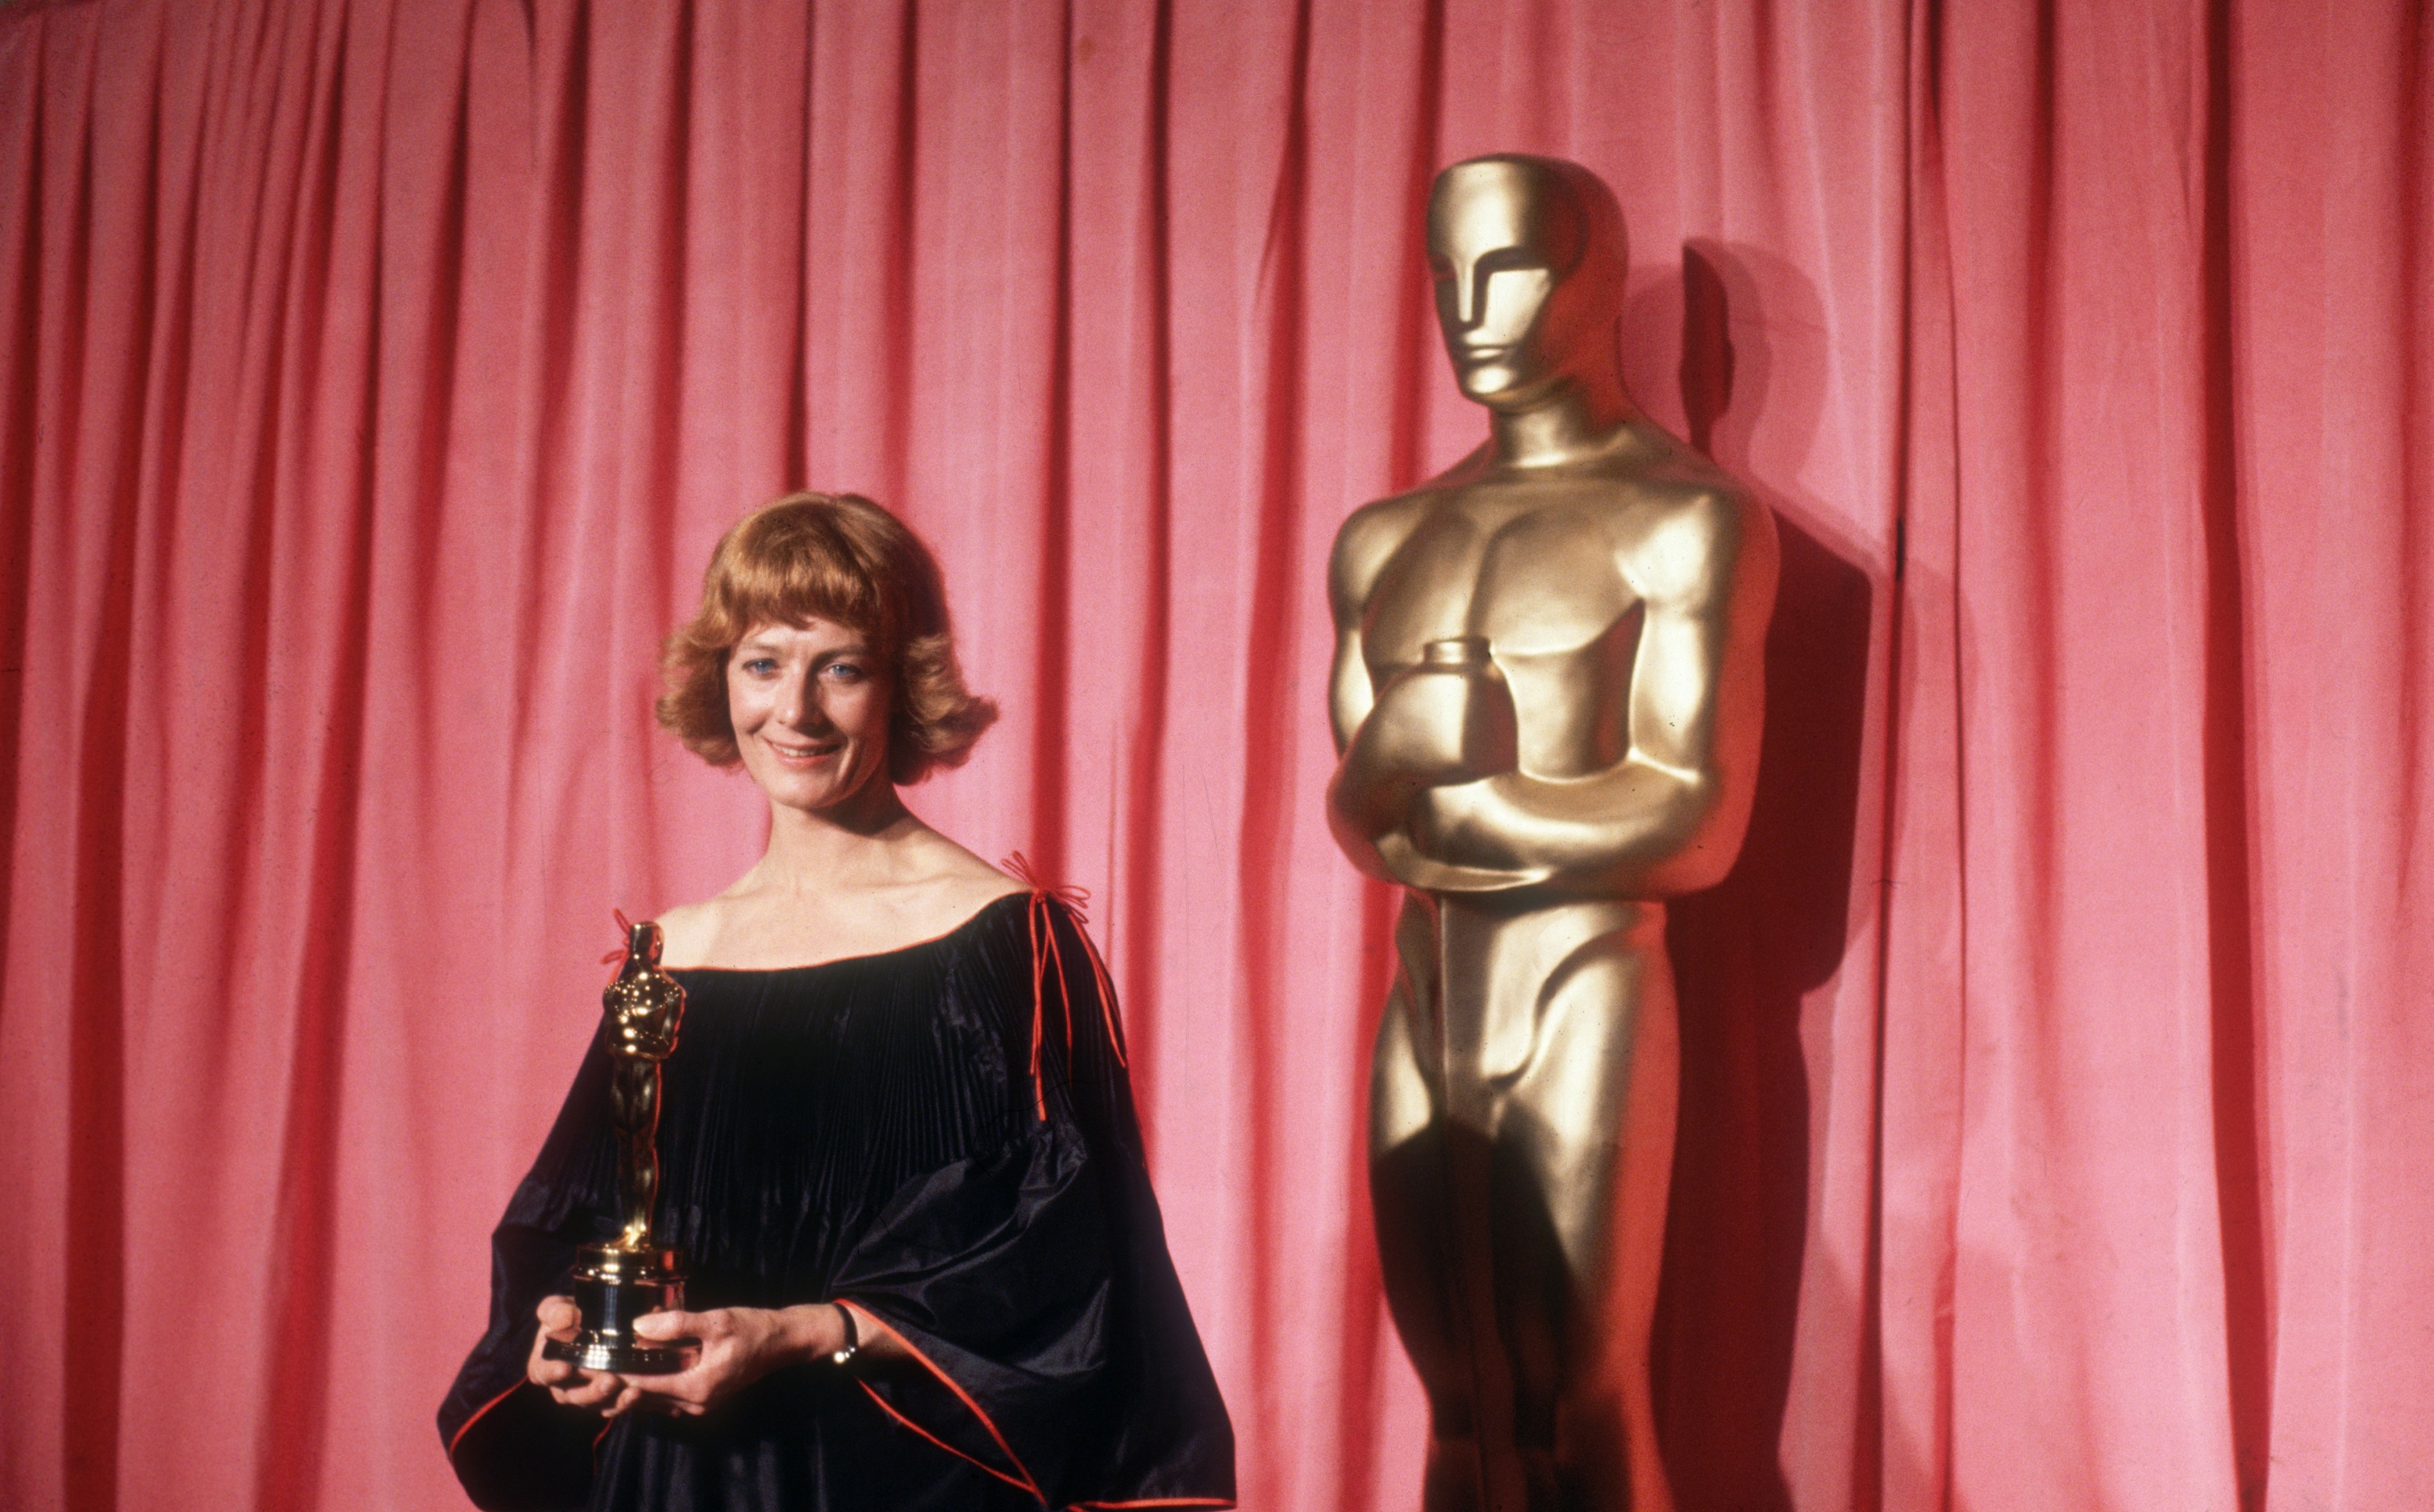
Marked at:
<point>2058,1062</point>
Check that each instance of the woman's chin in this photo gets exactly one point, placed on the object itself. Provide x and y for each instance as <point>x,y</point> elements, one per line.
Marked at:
<point>805,797</point>
<point>816,795</point>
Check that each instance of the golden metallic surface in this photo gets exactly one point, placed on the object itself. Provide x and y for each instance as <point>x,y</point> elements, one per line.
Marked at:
<point>1547,697</point>
<point>613,1287</point>
<point>645,1005</point>
<point>630,1357</point>
<point>632,1275</point>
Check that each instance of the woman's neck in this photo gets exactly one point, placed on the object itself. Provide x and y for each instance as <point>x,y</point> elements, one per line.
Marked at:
<point>856,842</point>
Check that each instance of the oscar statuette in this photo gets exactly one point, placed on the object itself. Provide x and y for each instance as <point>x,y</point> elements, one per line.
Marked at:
<point>631,1275</point>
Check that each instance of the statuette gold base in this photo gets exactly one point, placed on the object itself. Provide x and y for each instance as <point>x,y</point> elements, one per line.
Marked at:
<point>612,1288</point>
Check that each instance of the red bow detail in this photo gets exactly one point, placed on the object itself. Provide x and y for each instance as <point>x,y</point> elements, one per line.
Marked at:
<point>1019,867</point>
<point>624,931</point>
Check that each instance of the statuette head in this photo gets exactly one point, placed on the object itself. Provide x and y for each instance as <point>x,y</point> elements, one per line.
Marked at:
<point>1528,260</point>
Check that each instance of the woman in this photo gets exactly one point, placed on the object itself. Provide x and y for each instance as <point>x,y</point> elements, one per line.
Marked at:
<point>895,1125</point>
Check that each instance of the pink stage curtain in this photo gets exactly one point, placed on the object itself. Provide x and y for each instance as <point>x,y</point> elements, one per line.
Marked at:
<point>2059,1063</point>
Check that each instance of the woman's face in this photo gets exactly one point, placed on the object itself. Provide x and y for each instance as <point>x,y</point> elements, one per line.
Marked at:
<point>810,708</point>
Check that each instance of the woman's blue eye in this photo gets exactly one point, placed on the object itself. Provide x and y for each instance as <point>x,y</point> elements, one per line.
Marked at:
<point>760,666</point>
<point>845,671</point>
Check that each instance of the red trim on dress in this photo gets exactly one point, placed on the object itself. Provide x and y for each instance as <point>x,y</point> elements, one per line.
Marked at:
<point>1039,1006</point>
<point>869,1391</point>
<point>961,1395</point>
<point>1041,925</point>
<point>467,1426</point>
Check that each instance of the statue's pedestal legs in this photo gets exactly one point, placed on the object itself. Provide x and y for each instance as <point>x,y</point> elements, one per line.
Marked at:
<point>1522,1144</point>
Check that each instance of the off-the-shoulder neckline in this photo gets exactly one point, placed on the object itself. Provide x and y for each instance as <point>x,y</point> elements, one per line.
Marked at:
<point>938,939</point>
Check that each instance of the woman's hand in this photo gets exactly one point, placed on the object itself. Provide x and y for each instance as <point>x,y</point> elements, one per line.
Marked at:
<point>567,1381</point>
<point>739,1346</point>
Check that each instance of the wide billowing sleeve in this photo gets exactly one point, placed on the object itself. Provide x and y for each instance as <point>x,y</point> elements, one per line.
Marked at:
<point>514,1448</point>
<point>1050,1338</point>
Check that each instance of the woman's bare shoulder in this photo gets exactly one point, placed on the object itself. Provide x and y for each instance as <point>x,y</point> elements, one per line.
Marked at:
<point>958,883</point>
<point>687,931</point>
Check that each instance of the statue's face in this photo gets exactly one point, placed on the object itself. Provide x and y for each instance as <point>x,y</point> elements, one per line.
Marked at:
<point>1498,235</point>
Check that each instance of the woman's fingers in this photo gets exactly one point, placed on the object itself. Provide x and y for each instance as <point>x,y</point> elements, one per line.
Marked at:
<point>662,1326</point>
<point>691,1390</point>
<point>667,1398</point>
<point>687,1390</point>
<point>558,1318</point>
<point>568,1382</point>
<point>590,1391</point>
<point>733,1341</point>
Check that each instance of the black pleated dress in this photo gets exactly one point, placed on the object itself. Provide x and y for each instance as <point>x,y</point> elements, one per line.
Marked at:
<point>942,1135</point>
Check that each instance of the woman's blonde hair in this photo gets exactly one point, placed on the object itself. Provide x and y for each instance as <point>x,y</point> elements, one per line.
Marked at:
<point>844,559</point>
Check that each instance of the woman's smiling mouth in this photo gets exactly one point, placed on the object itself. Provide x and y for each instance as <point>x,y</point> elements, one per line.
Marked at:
<point>803,753</point>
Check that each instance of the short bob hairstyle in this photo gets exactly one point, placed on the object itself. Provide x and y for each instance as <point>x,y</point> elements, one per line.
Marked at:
<point>844,559</point>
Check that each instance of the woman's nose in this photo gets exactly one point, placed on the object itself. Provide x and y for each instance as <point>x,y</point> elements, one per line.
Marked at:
<point>798,703</point>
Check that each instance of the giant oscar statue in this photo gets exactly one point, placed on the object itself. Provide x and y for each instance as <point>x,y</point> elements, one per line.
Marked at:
<point>1547,694</point>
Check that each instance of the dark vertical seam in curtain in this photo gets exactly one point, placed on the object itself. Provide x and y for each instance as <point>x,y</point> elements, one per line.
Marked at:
<point>1414,326</point>
<point>259,424</point>
<point>556,272</point>
<point>304,1240</point>
<point>1413,333</point>
<point>226,496</point>
<point>175,375</point>
<point>1934,90</point>
<point>1051,695</point>
<point>1143,853</point>
<point>2029,1057</point>
<point>896,424</point>
<point>2417,474</point>
<point>2042,337</point>
<point>435,428</point>
<point>170,379</point>
<point>1577,96</point>
<point>798,382</point>
<point>2238,1171</point>
<point>252,31</point>
<point>655,574</point>
<point>160,352</point>
<point>2416,616</point>
<point>1919,119</point>
<point>1267,763</point>
<point>23,361</point>
<point>96,1298</point>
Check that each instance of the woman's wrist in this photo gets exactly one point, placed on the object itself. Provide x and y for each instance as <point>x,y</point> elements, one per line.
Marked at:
<point>812,1331</point>
<point>851,1343</point>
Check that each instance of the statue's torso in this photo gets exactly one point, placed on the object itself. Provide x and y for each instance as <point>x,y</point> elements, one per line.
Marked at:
<point>1543,565</point>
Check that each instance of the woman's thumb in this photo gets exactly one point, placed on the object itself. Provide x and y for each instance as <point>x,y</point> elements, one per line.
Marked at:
<point>664,1325</point>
